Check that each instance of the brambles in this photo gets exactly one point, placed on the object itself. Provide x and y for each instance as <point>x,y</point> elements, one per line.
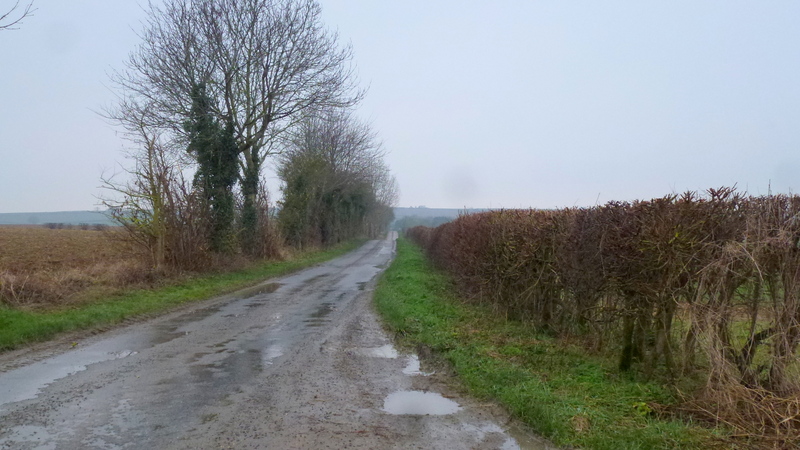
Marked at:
<point>673,287</point>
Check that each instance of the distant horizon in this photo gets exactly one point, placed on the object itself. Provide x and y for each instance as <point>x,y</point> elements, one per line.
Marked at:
<point>104,210</point>
<point>743,191</point>
<point>551,105</point>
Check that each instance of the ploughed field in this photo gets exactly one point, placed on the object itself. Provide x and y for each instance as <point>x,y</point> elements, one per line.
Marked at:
<point>40,266</point>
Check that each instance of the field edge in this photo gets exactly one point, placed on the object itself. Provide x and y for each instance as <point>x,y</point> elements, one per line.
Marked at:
<point>19,328</point>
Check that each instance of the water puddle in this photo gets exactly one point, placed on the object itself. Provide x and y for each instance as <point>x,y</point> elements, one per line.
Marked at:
<point>480,432</point>
<point>174,328</point>
<point>387,351</point>
<point>322,311</point>
<point>419,403</point>
<point>514,438</point>
<point>223,343</point>
<point>255,304</point>
<point>27,382</point>
<point>413,367</point>
<point>270,288</point>
<point>271,352</point>
<point>319,317</point>
<point>259,290</point>
<point>220,375</point>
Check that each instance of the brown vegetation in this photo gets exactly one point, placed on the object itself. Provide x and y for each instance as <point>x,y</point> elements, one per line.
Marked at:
<point>675,287</point>
<point>47,265</point>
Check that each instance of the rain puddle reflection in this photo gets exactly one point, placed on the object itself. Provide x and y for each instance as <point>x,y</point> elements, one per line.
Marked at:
<point>515,438</point>
<point>319,317</point>
<point>385,351</point>
<point>419,403</point>
<point>26,382</point>
<point>413,367</point>
<point>271,352</point>
<point>259,290</point>
<point>480,432</point>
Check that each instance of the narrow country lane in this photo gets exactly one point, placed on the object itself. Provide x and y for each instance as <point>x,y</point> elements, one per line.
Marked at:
<point>300,362</point>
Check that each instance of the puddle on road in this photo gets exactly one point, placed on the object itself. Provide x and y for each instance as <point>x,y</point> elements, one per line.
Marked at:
<point>515,438</point>
<point>419,403</point>
<point>270,288</point>
<point>242,364</point>
<point>224,359</point>
<point>480,432</point>
<point>322,311</point>
<point>223,343</point>
<point>252,293</point>
<point>172,329</point>
<point>319,317</point>
<point>27,382</point>
<point>255,304</point>
<point>259,290</point>
<point>413,367</point>
<point>270,353</point>
<point>387,351</point>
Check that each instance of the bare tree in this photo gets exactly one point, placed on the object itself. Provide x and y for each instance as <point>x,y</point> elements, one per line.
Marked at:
<point>10,19</point>
<point>266,65</point>
<point>140,204</point>
<point>335,182</point>
<point>156,205</point>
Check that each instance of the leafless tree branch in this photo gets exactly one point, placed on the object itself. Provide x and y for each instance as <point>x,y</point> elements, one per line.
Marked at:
<point>10,19</point>
<point>266,64</point>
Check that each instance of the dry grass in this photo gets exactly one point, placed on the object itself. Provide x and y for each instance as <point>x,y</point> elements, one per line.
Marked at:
<point>41,267</point>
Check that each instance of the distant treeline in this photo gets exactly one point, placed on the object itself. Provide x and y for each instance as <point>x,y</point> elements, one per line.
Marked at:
<point>63,217</point>
<point>406,217</point>
<point>415,221</point>
<point>80,226</point>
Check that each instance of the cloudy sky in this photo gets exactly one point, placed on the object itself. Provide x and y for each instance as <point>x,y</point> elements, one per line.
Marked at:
<point>480,104</point>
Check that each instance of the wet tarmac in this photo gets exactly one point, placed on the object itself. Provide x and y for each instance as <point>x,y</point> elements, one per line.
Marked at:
<point>297,362</point>
<point>419,403</point>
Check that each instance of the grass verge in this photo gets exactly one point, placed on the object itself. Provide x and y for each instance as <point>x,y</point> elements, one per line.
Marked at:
<point>19,327</point>
<point>563,394</point>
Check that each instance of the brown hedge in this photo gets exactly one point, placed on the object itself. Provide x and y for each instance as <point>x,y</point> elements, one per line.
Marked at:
<point>697,283</point>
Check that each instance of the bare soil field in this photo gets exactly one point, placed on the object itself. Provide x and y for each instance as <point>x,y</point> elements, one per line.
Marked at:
<point>46,267</point>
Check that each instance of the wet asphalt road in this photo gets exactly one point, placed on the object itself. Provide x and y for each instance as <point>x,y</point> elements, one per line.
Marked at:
<point>297,362</point>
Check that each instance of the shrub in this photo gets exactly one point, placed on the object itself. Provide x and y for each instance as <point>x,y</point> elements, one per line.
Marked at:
<point>672,286</point>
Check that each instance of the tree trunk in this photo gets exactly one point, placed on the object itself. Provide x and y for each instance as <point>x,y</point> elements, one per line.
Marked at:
<point>250,224</point>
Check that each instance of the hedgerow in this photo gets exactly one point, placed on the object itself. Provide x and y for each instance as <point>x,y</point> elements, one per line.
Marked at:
<point>676,287</point>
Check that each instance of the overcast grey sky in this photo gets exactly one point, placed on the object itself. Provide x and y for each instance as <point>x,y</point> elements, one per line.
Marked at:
<point>479,104</point>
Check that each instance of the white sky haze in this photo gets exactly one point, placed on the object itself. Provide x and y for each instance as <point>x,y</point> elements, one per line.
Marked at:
<point>480,104</point>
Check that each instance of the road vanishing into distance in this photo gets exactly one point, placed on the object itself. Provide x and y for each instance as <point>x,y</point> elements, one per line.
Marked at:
<point>299,362</point>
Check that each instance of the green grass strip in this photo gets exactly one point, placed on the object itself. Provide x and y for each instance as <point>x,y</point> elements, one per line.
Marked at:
<point>558,390</point>
<point>18,327</point>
